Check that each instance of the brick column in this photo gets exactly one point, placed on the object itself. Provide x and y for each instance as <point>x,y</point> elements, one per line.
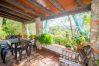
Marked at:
<point>95,27</point>
<point>39,30</point>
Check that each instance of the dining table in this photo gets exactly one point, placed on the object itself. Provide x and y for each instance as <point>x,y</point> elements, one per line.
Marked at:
<point>14,44</point>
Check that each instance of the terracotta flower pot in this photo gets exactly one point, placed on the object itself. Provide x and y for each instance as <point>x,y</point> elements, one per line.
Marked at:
<point>78,47</point>
<point>68,48</point>
<point>38,45</point>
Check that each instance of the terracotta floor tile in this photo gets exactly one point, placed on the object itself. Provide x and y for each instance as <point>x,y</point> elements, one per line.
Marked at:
<point>40,58</point>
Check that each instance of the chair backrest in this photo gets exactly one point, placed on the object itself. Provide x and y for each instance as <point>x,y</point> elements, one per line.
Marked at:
<point>82,57</point>
<point>86,53</point>
<point>70,55</point>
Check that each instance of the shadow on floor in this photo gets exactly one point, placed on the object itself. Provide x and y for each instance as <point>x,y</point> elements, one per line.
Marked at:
<point>39,58</point>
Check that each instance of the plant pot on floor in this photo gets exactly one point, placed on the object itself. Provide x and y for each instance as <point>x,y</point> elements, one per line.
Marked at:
<point>39,46</point>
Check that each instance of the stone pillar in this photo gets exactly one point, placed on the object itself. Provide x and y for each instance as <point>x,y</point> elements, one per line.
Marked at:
<point>39,30</point>
<point>23,28</point>
<point>95,27</point>
<point>39,26</point>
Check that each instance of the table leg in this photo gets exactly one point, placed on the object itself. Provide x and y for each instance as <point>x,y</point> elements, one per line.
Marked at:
<point>12,49</point>
<point>16,51</point>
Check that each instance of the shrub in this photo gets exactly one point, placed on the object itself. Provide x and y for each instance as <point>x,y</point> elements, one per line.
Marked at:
<point>2,34</point>
<point>60,40</point>
<point>97,62</point>
<point>45,38</point>
<point>78,39</point>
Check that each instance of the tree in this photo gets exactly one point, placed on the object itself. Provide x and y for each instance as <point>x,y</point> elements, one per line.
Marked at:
<point>11,27</point>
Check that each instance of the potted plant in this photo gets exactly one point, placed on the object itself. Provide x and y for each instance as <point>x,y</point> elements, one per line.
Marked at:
<point>32,36</point>
<point>45,39</point>
<point>25,35</point>
<point>78,40</point>
<point>68,46</point>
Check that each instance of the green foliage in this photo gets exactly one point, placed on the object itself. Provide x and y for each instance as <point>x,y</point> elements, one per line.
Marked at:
<point>9,27</point>
<point>87,39</point>
<point>87,19</point>
<point>45,38</point>
<point>78,39</point>
<point>32,36</point>
<point>2,34</point>
<point>4,21</point>
<point>60,40</point>
<point>25,35</point>
<point>70,44</point>
<point>97,62</point>
<point>12,27</point>
<point>67,42</point>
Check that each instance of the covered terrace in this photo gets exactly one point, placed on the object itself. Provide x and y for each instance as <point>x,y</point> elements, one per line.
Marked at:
<point>29,11</point>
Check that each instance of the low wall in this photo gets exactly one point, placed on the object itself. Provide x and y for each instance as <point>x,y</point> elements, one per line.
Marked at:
<point>55,48</point>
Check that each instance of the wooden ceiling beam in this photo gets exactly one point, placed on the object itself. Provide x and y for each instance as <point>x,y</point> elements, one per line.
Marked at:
<point>34,2</point>
<point>32,6</point>
<point>57,5</point>
<point>70,12</point>
<point>13,15</point>
<point>67,4</point>
<point>11,7</point>
<point>51,7</point>
<point>12,12</point>
<point>24,7</point>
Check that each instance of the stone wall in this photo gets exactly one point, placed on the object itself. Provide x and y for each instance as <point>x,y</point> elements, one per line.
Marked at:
<point>95,26</point>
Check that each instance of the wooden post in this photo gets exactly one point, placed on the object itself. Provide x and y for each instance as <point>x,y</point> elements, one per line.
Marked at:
<point>95,27</point>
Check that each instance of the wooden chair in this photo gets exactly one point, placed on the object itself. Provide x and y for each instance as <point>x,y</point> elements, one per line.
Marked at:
<point>81,58</point>
<point>86,55</point>
<point>24,46</point>
<point>33,43</point>
<point>21,46</point>
<point>69,58</point>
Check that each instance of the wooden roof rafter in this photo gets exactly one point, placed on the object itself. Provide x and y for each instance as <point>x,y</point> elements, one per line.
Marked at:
<point>32,6</point>
<point>15,13</point>
<point>70,12</point>
<point>24,7</point>
<point>11,17</point>
<point>51,6</point>
<point>57,5</point>
<point>34,2</point>
<point>68,4</point>
<point>12,8</point>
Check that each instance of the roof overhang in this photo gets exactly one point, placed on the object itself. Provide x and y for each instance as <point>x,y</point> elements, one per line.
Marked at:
<point>28,10</point>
